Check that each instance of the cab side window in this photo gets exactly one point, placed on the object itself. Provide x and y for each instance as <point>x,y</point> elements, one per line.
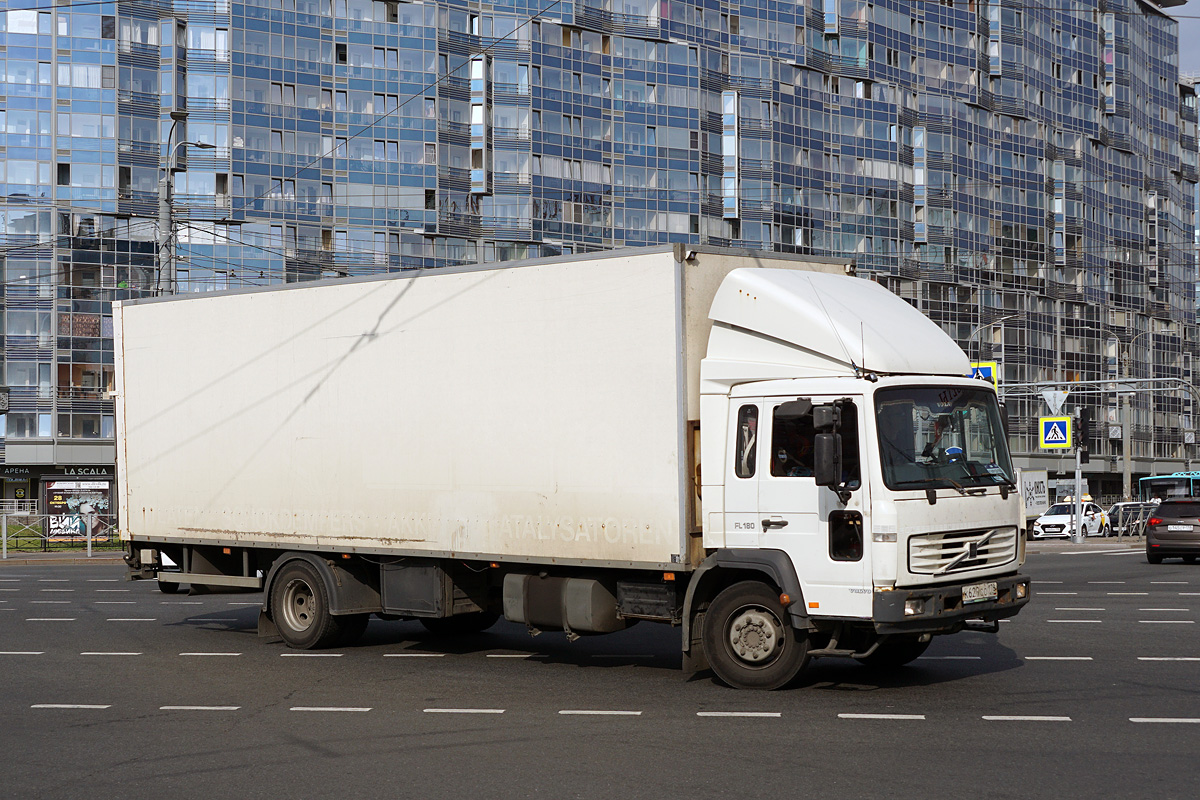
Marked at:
<point>791,445</point>
<point>746,447</point>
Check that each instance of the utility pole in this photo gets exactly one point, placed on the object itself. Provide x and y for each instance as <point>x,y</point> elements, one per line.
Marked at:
<point>166,225</point>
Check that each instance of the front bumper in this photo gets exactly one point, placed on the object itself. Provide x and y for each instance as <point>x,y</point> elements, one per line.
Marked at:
<point>944,610</point>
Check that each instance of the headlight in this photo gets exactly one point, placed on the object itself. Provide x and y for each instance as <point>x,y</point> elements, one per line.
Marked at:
<point>1022,590</point>
<point>914,607</point>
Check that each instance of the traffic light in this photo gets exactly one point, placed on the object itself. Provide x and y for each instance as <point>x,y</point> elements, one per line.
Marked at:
<point>1084,433</point>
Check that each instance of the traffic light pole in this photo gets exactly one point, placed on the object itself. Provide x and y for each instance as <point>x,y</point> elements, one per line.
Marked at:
<point>1077,534</point>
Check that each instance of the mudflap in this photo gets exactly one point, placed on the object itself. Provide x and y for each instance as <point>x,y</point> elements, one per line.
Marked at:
<point>267,630</point>
<point>694,659</point>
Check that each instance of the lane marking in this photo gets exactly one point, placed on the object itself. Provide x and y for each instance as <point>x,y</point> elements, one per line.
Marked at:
<point>114,602</point>
<point>56,590</point>
<point>103,580</point>
<point>772,714</point>
<point>1127,594</point>
<point>112,590</point>
<point>10,580</point>
<point>1185,720</point>
<point>1167,621</point>
<point>327,708</point>
<point>109,654</point>
<point>181,603</point>
<point>6,589</point>
<point>245,604</point>
<point>1171,583</point>
<point>311,655</point>
<point>212,619</point>
<point>49,602</point>
<point>210,654</point>
<point>198,708</point>
<point>881,716</point>
<point>131,619</point>
<point>68,705</point>
<point>1058,658</point>
<point>1025,719</point>
<point>1164,609</point>
<point>1093,621</point>
<point>1106,583</point>
<point>596,713</point>
<point>1049,582</point>
<point>414,655</point>
<point>54,580</point>
<point>948,658</point>
<point>509,655</point>
<point>22,652</point>
<point>1189,594</point>
<point>1167,658</point>
<point>1058,594</point>
<point>1078,609</point>
<point>464,710</point>
<point>50,619</point>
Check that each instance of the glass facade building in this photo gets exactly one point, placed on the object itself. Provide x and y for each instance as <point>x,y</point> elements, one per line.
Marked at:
<point>1024,173</point>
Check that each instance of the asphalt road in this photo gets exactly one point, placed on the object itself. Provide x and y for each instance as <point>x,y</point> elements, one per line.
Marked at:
<point>112,689</point>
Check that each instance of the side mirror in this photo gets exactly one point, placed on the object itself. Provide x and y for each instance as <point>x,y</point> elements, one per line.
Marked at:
<point>827,419</point>
<point>827,459</point>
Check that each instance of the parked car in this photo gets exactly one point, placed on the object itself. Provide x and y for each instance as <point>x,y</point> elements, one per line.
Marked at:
<point>1128,518</point>
<point>1173,530</point>
<point>1056,521</point>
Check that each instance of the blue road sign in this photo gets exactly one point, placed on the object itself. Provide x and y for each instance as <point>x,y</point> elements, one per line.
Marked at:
<point>1055,432</point>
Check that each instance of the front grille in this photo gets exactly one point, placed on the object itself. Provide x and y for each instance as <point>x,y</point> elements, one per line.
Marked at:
<point>932,553</point>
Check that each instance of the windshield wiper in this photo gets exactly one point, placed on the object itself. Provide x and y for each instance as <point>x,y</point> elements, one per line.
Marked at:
<point>955,484</point>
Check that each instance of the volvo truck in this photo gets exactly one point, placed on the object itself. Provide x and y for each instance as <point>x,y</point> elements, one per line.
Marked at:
<point>781,459</point>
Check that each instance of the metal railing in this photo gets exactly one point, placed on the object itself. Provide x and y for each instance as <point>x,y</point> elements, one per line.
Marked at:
<point>43,533</point>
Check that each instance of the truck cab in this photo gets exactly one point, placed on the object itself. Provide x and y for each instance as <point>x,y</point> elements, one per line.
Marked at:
<point>855,453</point>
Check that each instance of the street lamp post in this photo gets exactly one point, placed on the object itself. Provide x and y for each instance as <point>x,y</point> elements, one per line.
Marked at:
<point>166,223</point>
<point>978,328</point>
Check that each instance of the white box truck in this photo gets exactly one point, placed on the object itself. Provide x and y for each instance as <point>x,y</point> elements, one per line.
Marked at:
<point>780,458</point>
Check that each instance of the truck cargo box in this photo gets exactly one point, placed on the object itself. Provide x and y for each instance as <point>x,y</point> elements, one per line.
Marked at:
<point>532,411</point>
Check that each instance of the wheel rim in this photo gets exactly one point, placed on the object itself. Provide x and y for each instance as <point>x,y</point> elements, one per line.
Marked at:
<point>299,605</point>
<point>755,636</point>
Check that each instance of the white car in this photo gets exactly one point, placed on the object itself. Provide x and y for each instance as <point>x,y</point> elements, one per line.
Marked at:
<point>1056,522</point>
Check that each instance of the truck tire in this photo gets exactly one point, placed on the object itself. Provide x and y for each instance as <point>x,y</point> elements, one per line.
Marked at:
<point>748,640</point>
<point>896,652</point>
<point>169,587</point>
<point>300,608</point>
<point>352,626</point>
<point>460,624</point>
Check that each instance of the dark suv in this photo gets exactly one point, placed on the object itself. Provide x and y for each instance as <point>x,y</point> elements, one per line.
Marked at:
<point>1174,530</point>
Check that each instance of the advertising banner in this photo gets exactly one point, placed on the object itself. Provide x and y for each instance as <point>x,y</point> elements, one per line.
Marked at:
<point>76,507</point>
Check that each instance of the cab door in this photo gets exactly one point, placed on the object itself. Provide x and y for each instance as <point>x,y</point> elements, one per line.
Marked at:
<point>825,538</point>
<point>742,522</point>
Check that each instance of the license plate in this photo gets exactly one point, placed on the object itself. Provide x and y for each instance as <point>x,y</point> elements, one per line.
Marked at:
<point>1179,527</point>
<point>978,592</point>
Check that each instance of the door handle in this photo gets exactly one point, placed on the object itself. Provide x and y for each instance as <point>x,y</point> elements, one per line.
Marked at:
<point>774,522</point>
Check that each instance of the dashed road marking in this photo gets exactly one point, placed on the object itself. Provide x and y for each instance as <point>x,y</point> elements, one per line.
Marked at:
<point>198,708</point>
<point>114,602</point>
<point>210,654</point>
<point>1049,582</point>
<point>54,580</point>
<point>22,652</point>
<point>69,705</point>
<point>509,655</point>
<point>1164,609</point>
<point>311,655</point>
<point>1005,718</point>
<point>881,716</point>
<point>1106,583</point>
<point>598,713</point>
<point>414,655</point>
<point>1058,594</point>
<point>181,603</point>
<point>96,653</point>
<point>1189,594</point>
<point>1128,594</point>
<point>1167,621</point>
<point>1184,720</point>
<point>112,590</point>
<point>56,590</point>
<point>1093,621</point>
<point>1058,658</point>
<point>131,619</point>
<point>49,602</point>
<point>1072,608</point>
<point>1170,583</point>
<point>212,619</point>
<point>103,580</point>
<point>245,604</point>
<point>50,619</point>
<point>327,708</point>
<point>948,658</point>
<point>464,710</point>
<point>773,714</point>
<point>1168,658</point>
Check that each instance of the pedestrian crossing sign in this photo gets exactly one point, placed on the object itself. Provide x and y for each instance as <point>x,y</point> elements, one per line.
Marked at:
<point>1055,432</point>
<point>986,370</point>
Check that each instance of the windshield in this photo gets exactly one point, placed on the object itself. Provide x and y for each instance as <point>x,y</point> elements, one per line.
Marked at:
<point>1062,509</point>
<point>941,437</point>
<point>1165,487</point>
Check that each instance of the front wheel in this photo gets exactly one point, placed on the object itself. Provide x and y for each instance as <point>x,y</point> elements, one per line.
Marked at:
<point>1105,531</point>
<point>897,651</point>
<point>748,640</point>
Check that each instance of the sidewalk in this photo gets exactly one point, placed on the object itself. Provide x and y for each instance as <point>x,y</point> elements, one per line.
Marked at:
<point>1099,544</point>
<point>60,557</point>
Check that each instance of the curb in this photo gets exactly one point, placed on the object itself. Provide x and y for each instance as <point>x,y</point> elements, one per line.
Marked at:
<point>55,559</point>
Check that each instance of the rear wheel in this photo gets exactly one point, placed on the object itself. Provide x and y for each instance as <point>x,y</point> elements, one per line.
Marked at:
<point>1153,558</point>
<point>169,587</point>
<point>748,640</point>
<point>300,608</point>
<point>460,624</point>
<point>897,651</point>
<point>352,626</point>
